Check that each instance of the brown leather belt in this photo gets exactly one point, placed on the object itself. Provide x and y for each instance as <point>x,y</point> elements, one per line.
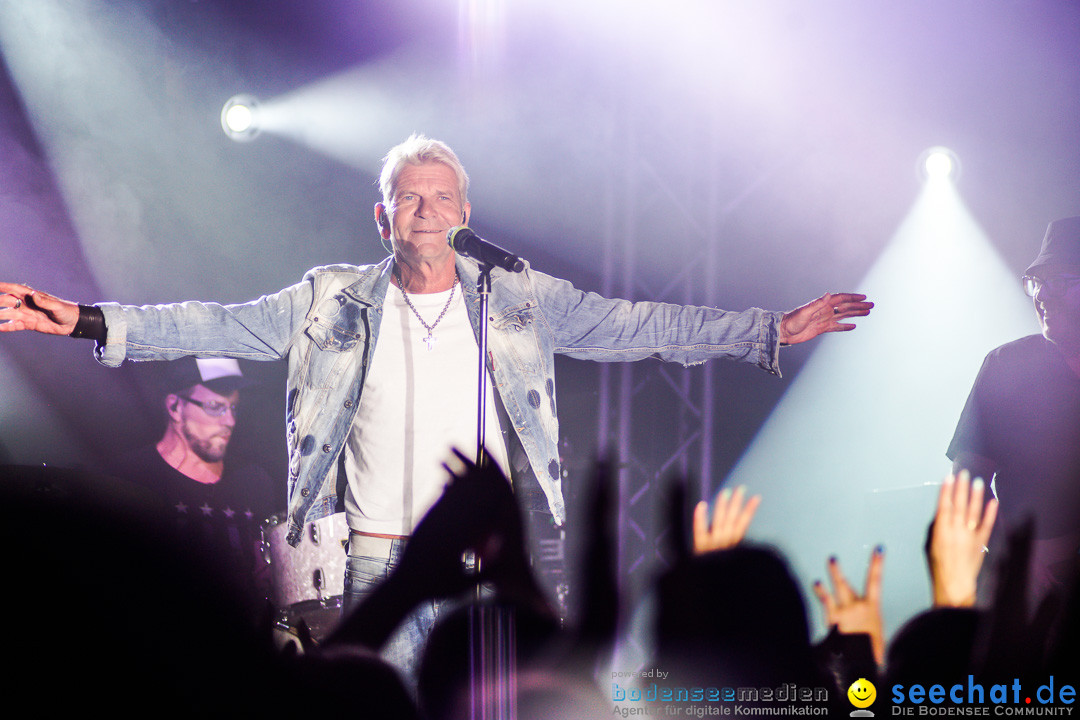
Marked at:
<point>366,545</point>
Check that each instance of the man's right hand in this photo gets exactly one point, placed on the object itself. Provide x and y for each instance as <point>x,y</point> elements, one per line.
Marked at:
<point>23,308</point>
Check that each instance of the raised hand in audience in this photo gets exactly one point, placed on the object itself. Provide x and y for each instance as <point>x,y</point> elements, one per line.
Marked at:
<point>958,538</point>
<point>731,517</point>
<point>851,612</point>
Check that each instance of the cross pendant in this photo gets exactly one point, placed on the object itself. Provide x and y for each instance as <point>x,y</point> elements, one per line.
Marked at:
<point>430,340</point>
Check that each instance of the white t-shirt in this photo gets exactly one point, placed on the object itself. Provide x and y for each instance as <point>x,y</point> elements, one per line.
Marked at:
<point>417,404</point>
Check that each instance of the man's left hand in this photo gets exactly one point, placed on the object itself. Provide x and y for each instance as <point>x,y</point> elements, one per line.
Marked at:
<point>823,315</point>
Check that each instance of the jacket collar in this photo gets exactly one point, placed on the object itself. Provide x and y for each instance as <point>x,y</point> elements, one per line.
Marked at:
<point>371,287</point>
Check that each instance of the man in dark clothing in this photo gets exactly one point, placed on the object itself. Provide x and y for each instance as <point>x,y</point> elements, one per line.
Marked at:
<point>216,503</point>
<point>1021,424</point>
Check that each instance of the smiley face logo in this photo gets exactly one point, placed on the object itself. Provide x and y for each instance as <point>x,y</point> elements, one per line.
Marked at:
<point>862,693</point>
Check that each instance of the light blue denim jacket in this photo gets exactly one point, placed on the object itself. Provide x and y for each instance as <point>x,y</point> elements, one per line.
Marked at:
<point>327,326</point>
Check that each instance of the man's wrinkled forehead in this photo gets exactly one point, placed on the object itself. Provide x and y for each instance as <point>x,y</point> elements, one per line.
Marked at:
<point>397,185</point>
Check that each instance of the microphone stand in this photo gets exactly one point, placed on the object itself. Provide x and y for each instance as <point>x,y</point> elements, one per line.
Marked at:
<point>483,289</point>
<point>492,647</point>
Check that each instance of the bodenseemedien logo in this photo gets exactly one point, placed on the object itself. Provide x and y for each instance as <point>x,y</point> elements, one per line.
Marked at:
<point>861,694</point>
<point>631,698</point>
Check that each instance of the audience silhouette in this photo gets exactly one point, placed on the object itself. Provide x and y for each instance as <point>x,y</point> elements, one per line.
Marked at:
<point>111,606</point>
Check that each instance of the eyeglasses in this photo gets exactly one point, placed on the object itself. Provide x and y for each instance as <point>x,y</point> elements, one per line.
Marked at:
<point>213,408</point>
<point>1057,285</point>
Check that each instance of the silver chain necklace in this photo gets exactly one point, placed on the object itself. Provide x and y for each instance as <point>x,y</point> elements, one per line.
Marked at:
<point>430,339</point>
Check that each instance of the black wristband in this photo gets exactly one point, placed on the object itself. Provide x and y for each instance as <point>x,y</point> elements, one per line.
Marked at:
<point>91,324</point>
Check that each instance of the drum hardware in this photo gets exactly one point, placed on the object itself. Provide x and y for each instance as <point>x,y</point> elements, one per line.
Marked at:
<point>306,581</point>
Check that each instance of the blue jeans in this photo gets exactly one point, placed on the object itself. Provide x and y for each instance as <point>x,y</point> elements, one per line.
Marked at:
<point>404,647</point>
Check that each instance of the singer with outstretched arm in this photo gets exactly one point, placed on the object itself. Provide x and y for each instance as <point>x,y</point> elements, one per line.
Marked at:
<point>382,360</point>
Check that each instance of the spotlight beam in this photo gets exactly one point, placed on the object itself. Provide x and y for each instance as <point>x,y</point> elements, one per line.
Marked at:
<point>943,299</point>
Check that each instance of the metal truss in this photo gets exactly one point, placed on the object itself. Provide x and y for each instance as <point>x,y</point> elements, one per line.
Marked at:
<point>658,420</point>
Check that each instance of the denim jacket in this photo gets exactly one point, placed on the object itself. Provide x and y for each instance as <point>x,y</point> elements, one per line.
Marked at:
<point>327,326</point>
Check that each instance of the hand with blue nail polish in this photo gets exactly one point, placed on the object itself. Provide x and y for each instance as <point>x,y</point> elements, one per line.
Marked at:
<point>850,612</point>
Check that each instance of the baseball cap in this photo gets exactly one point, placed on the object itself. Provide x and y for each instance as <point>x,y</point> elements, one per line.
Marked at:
<point>222,375</point>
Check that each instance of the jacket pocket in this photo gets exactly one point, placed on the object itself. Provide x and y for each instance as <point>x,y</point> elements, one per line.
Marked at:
<point>335,331</point>
<point>514,338</point>
<point>336,324</point>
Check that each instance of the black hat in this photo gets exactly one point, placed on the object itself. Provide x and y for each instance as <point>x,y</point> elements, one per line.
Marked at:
<point>222,375</point>
<point>1060,248</point>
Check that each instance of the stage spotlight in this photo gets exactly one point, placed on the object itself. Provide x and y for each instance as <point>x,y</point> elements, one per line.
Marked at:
<point>939,163</point>
<point>240,118</point>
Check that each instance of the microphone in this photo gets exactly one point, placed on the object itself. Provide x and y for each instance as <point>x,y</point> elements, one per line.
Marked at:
<point>468,243</point>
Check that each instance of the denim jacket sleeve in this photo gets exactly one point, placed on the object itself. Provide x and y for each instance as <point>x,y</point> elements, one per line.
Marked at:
<point>534,316</point>
<point>262,329</point>
<point>588,326</point>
